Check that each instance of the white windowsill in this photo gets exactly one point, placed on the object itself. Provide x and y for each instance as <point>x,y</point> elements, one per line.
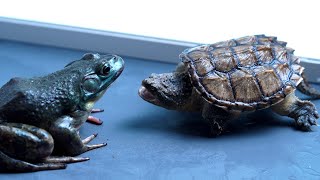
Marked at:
<point>108,42</point>
<point>92,40</point>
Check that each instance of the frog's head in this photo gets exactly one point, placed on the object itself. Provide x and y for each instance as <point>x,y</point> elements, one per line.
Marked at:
<point>99,72</point>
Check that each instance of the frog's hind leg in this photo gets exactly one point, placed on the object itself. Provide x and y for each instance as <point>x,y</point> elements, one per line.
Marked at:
<point>307,89</point>
<point>25,148</point>
<point>21,145</point>
<point>304,112</point>
<point>9,164</point>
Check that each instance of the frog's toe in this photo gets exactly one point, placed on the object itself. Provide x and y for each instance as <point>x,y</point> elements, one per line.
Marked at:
<point>95,146</point>
<point>97,110</point>
<point>49,166</point>
<point>94,120</point>
<point>91,147</point>
<point>90,138</point>
<point>53,159</point>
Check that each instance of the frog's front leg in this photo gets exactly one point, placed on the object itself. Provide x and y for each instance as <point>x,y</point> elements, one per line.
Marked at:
<point>26,148</point>
<point>95,120</point>
<point>65,132</point>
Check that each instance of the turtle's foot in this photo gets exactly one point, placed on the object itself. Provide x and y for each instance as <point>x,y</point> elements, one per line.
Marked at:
<point>303,112</point>
<point>305,115</point>
<point>215,129</point>
<point>95,120</point>
<point>217,119</point>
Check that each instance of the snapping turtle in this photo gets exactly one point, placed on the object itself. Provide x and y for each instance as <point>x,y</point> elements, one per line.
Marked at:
<point>222,80</point>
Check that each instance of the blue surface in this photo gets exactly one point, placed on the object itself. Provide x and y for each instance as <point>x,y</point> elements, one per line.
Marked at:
<point>148,142</point>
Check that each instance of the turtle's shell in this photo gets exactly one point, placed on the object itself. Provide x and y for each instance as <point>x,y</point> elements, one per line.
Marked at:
<point>248,73</point>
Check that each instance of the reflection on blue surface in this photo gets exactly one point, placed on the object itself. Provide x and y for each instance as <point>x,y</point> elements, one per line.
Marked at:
<point>148,142</point>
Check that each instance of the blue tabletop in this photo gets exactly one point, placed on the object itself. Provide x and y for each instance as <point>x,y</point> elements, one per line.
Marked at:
<point>149,142</point>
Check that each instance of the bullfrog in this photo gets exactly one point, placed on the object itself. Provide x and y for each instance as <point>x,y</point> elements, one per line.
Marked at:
<point>40,117</point>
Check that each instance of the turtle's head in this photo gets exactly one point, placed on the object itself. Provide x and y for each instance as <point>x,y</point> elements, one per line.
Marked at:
<point>168,90</point>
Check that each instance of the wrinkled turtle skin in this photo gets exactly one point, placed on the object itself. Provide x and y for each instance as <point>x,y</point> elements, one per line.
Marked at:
<point>222,80</point>
<point>41,116</point>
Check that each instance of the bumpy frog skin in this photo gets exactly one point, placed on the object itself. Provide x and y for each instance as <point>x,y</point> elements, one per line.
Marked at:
<point>41,116</point>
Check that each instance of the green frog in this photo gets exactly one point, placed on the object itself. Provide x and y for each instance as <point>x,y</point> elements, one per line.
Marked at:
<point>40,117</point>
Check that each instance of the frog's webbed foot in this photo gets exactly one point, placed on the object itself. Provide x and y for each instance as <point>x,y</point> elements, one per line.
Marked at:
<point>91,147</point>
<point>94,120</point>
<point>66,135</point>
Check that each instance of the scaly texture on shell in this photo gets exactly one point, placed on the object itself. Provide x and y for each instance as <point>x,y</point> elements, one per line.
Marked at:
<point>248,73</point>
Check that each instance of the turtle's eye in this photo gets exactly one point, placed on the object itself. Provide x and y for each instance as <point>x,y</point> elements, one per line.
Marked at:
<point>105,70</point>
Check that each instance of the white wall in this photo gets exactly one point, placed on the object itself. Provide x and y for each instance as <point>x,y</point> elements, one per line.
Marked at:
<point>202,21</point>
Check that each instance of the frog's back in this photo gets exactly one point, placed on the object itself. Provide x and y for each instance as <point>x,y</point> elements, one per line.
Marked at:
<point>10,95</point>
<point>39,98</point>
<point>10,91</point>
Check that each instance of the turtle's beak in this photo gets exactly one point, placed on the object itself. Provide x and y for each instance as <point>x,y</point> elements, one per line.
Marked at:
<point>145,94</point>
<point>163,90</point>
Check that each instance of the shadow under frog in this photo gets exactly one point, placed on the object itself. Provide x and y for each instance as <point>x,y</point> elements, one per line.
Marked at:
<point>42,115</point>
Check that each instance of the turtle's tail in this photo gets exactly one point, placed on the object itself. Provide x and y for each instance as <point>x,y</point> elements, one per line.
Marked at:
<point>306,89</point>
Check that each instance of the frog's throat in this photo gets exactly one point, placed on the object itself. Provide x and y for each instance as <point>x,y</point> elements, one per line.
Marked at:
<point>88,105</point>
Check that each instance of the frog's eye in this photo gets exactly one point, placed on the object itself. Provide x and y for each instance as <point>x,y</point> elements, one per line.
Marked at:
<point>91,84</point>
<point>89,56</point>
<point>105,70</point>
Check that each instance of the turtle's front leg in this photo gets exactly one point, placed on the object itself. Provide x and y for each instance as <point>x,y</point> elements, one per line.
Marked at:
<point>217,118</point>
<point>304,112</point>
